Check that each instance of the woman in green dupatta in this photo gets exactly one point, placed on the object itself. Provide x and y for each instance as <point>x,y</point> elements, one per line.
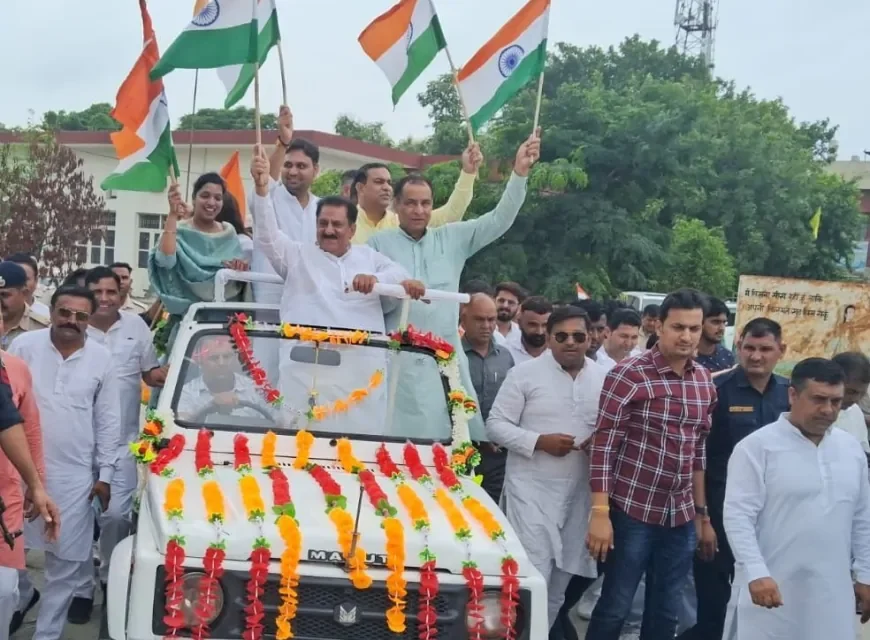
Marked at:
<point>193,248</point>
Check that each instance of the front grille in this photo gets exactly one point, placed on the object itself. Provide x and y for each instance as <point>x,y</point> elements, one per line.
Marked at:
<point>319,599</point>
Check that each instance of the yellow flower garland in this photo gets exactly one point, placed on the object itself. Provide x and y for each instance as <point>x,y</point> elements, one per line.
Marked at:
<point>344,453</point>
<point>396,582</point>
<point>484,517</point>
<point>344,525</point>
<point>324,411</point>
<point>288,528</point>
<point>308,334</point>
<point>304,441</point>
<point>413,505</point>
<point>457,521</point>
<point>215,509</point>
<point>252,499</point>
<point>174,498</point>
<point>267,454</point>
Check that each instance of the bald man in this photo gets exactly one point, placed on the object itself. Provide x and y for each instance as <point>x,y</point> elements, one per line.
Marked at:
<point>488,364</point>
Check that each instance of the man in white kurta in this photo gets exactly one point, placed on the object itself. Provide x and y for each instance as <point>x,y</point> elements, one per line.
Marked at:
<point>797,516</point>
<point>544,410</point>
<point>128,339</point>
<point>77,391</point>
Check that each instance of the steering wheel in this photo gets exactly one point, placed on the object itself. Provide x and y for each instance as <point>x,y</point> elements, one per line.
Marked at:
<point>214,407</point>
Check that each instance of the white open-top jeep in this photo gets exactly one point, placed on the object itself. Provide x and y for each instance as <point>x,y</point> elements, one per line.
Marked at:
<point>313,483</point>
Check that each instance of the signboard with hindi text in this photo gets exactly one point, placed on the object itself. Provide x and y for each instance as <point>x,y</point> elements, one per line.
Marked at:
<point>818,318</point>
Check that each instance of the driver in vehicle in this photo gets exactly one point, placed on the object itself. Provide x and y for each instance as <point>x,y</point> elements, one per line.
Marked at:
<point>222,390</point>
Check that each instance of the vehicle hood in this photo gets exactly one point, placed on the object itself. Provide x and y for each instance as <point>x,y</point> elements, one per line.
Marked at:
<point>319,539</point>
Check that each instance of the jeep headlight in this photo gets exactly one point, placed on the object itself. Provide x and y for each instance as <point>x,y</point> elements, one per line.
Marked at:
<point>190,585</point>
<point>490,612</point>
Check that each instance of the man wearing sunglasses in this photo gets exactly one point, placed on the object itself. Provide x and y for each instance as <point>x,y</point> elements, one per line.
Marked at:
<point>78,396</point>
<point>545,409</point>
<point>135,360</point>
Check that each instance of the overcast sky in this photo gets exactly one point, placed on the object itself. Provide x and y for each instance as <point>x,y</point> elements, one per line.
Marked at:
<point>62,54</point>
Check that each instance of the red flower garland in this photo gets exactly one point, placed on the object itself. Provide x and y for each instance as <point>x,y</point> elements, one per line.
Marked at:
<point>386,464</point>
<point>241,453</point>
<point>442,466</point>
<point>411,336</point>
<point>331,489</point>
<point>281,499</point>
<point>376,495</point>
<point>202,453</point>
<point>160,465</point>
<point>510,596</point>
<point>415,465</point>
<point>474,581</point>
<point>174,619</point>
<point>238,328</point>
<point>427,615</point>
<point>209,586</point>
<point>254,611</point>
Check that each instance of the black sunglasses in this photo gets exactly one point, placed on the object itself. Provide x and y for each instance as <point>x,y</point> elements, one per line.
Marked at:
<point>563,336</point>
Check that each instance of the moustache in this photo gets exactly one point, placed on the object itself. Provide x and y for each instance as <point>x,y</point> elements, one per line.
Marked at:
<point>69,326</point>
<point>328,237</point>
<point>536,340</point>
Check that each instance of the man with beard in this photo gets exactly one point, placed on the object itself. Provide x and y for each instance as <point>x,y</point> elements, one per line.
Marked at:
<point>749,397</point>
<point>18,317</point>
<point>532,321</point>
<point>546,408</point>
<point>508,298</point>
<point>597,326</point>
<point>135,361</point>
<point>373,189</point>
<point>125,274</point>
<point>797,517</point>
<point>324,284</point>
<point>77,392</point>
<point>711,353</point>
<point>488,365</point>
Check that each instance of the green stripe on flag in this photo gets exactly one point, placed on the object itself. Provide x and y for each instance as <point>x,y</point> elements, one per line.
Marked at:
<point>420,54</point>
<point>151,173</point>
<point>268,38</point>
<point>530,67</point>
<point>209,49</point>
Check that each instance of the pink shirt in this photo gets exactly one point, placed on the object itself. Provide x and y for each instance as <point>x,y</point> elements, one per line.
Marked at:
<point>10,480</point>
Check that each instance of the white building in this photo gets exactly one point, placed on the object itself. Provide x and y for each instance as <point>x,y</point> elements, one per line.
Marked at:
<point>134,219</point>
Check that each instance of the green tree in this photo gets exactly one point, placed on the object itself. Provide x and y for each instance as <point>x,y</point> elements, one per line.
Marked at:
<point>698,257</point>
<point>237,118</point>
<point>328,183</point>
<point>656,139</point>
<point>373,132</point>
<point>449,134</point>
<point>94,118</point>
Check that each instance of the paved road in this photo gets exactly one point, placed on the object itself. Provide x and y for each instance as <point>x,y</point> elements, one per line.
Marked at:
<point>91,631</point>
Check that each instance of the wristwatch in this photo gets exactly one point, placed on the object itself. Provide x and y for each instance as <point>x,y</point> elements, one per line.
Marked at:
<point>704,512</point>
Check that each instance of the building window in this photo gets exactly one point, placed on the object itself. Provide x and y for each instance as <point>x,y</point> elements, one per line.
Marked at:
<point>150,226</point>
<point>100,250</point>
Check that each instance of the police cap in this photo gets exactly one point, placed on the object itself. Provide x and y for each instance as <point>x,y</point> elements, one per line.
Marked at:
<point>12,275</point>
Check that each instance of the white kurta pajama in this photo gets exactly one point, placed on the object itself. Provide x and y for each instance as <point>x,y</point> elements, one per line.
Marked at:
<point>129,341</point>
<point>546,499</point>
<point>318,292</point>
<point>297,223</point>
<point>800,514</point>
<point>79,408</point>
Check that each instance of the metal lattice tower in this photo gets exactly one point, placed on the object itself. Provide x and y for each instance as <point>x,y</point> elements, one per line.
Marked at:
<point>695,22</point>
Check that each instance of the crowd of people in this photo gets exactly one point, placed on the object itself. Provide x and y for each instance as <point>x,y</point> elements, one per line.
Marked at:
<point>647,469</point>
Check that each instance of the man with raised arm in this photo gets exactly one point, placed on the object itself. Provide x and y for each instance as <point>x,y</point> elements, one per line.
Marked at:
<point>437,256</point>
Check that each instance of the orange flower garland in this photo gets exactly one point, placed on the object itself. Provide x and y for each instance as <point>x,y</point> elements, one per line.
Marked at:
<point>308,334</point>
<point>393,529</point>
<point>288,528</point>
<point>215,511</point>
<point>319,412</point>
<point>304,441</point>
<point>427,615</point>
<point>173,507</point>
<point>267,453</point>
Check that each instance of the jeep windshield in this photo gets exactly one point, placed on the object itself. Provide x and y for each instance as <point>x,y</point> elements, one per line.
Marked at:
<point>366,391</point>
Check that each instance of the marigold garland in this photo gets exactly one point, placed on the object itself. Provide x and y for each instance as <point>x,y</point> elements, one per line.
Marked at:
<point>393,530</point>
<point>215,509</point>
<point>144,449</point>
<point>309,334</point>
<point>239,325</point>
<point>427,615</point>
<point>336,507</point>
<point>304,442</point>
<point>490,524</point>
<point>267,452</point>
<point>319,412</point>
<point>160,465</point>
<point>173,507</point>
<point>202,454</point>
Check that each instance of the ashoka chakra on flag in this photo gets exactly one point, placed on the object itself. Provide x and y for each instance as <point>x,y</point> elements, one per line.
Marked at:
<point>209,14</point>
<point>510,59</point>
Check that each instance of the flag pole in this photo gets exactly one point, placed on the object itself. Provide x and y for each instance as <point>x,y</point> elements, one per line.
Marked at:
<point>257,103</point>
<point>538,103</point>
<point>191,131</point>
<point>283,74</point>
<point>455,73</point>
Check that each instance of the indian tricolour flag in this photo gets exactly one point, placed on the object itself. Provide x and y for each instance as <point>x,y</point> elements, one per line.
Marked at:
<point>403,41</point>
<point>223,33</point>
<point>144,144</point>
<point>238,77</point>
<point>514,55</point>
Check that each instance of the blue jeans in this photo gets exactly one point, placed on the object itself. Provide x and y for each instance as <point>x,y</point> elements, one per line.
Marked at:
<point>665,554</point>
